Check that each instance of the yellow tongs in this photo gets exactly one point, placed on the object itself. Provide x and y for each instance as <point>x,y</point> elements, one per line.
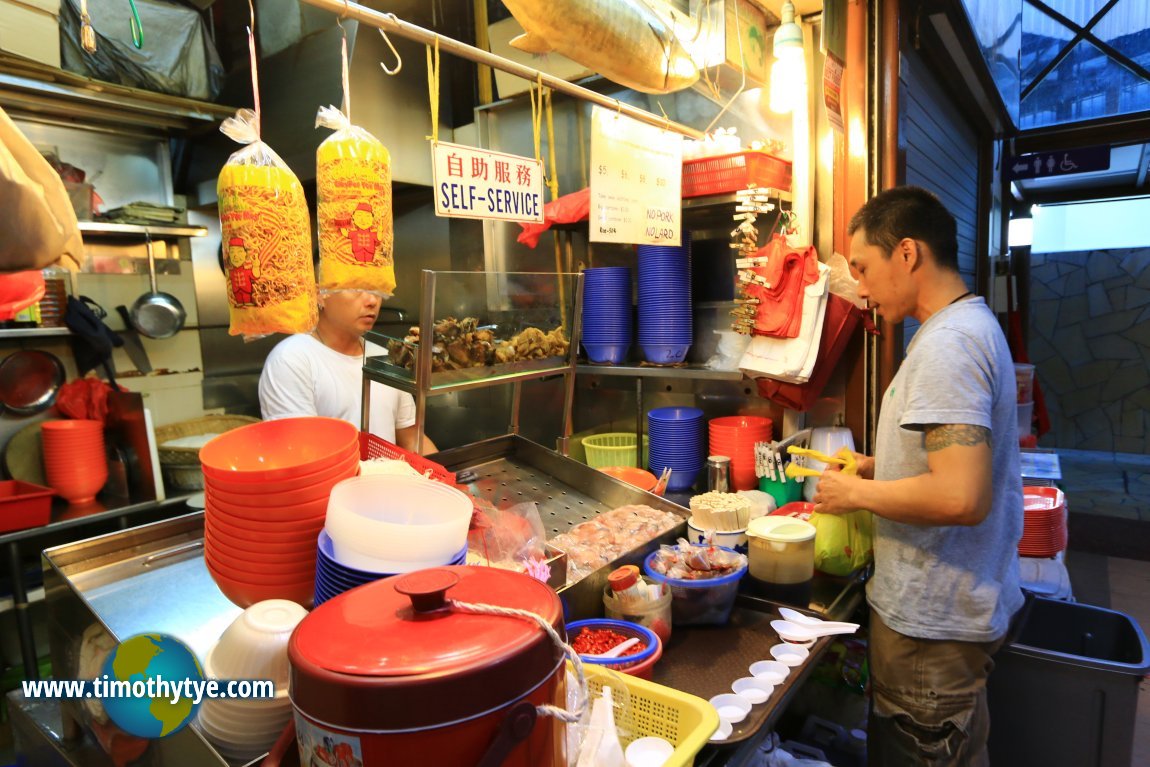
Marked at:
<point>845,457</point>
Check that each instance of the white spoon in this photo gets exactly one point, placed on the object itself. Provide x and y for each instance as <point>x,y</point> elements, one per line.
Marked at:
<point>618,649</point>
<point>794,616</point>
<point>802,633</point>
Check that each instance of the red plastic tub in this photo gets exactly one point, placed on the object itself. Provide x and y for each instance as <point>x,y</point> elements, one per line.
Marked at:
<point>24,505</point>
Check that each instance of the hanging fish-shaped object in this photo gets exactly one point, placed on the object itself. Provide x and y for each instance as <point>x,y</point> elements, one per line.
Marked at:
<point>626,41</point>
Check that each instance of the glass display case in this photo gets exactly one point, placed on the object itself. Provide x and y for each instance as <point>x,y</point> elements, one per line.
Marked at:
<point>486,328</point>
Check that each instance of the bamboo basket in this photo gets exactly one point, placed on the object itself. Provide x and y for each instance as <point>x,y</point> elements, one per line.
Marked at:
<point>180,466</point>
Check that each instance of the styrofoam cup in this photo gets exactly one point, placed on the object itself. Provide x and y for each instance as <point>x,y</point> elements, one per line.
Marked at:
<point>770,670</point>
<point>755,689</point>
<point>730,707</point>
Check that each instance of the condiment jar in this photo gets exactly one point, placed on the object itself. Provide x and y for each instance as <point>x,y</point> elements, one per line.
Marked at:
<point>781,558</point>
<point>403,675</point>
<point>628,586</point>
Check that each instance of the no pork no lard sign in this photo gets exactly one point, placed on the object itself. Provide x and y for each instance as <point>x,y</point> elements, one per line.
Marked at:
<point>478,183</point>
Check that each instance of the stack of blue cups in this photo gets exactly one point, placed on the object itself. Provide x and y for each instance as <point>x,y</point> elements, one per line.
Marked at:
<point>332,578</point>
<point>665,323</point>
<point>678,441</point>
<point>607,333</point>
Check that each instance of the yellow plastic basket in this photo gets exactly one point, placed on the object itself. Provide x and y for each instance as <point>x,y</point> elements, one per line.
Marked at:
<point>614,448</point>
<point>684,720</point>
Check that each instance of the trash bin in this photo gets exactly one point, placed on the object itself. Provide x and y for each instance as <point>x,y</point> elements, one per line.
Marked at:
<point>1064,693</point>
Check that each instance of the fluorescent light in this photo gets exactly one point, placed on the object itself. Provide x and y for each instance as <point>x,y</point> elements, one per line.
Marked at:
<point>788,73</point>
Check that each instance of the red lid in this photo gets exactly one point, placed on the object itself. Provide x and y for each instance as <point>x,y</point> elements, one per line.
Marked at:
<point>394,655</point>
<point>623,578</point>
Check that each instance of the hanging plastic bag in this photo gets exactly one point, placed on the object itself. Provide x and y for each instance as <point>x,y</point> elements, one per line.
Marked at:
<point>353,185</point>
<point>37,218</point>
<point>266,237</point>
<point>843,542</point>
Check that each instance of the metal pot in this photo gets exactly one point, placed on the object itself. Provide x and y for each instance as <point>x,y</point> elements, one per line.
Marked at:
<point>397,673</point>
<point>156,314</point>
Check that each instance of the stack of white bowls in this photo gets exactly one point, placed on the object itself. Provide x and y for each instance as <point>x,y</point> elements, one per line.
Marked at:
<point>254,646</point>
<point>391,524</point>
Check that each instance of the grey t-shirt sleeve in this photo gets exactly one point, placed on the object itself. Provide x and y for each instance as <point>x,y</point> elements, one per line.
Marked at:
<point>950,383</point>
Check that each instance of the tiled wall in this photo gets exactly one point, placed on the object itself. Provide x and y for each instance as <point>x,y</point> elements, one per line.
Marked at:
<point>1090,341</point>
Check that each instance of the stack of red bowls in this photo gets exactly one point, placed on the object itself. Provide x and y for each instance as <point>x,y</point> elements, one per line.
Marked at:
<point>735,436</point>
<point>74,462</point>
<point>1044,531</point>
<point>265,495</point>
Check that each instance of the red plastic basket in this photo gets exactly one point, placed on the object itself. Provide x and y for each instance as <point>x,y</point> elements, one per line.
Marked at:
<point>371,446</point>
<point>727,173</point>
<point>24,505</point>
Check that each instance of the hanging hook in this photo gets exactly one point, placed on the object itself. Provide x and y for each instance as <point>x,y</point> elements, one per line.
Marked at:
<point>618,108</point>
<point>394,52</point>
<point>666,117</point>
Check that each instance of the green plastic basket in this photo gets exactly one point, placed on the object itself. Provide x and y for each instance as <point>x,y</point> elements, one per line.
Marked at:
<point>613,448</point>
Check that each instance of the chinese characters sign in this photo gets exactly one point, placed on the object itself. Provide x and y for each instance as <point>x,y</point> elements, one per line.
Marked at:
<point>636,181</point>
<point>477,183</point>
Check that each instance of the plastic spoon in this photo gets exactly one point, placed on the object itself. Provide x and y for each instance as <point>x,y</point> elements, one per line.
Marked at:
<point>618,649</point>
<point>802,633</point>
<point>794,616</point>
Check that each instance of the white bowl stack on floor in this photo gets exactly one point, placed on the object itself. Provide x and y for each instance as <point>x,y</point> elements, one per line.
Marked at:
<point>254,646</point>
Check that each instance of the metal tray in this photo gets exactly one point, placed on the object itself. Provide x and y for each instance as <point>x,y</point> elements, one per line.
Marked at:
<point>150,578</point>
<point>510,469</point>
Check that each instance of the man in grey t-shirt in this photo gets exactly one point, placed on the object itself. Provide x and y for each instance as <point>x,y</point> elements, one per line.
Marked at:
<point>945,487</point>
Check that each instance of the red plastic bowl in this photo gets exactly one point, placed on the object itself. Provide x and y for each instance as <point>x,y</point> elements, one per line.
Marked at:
<point>247,594</point>
<point>270,514</point>
<point>253,574</point>
<point>240,485</point>
<point>265,529</point>
<point>644,480</point>
<point>309,494</point>
<point>280,449</point>
<point>241,540</point>
<point>270,565</point>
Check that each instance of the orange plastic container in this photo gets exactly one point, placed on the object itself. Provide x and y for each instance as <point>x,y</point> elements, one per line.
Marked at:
<point>24,505</point>
<point>727,173</point>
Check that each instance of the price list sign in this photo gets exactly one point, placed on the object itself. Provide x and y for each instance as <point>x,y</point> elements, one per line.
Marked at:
<point>636,181</point>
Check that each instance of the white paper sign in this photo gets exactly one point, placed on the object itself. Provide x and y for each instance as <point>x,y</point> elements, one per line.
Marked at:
<point>478,183</point>
<point>636,181</point>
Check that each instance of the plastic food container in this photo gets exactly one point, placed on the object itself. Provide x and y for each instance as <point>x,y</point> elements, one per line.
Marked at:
<point>699,602</point>
<point>655,615</point>
<point>24,505</point>
<point>396,673</point>
<point>782,557</point>
<point>639,664</point>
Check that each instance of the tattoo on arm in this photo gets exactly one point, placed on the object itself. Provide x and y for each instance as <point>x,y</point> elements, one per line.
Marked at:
<point>944,435</point>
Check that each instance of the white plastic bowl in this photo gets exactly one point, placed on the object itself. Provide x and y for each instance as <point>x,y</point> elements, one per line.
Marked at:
<point>724,730</point>
<point>254,646</point>
<point>789,654</point>
<point>396,521</point>
<point>648,752</point>
<point>730,707</point>
<point>770,670</point>
<point>754,689</point>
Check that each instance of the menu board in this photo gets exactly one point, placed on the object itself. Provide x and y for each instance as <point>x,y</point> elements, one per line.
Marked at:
<point>636,181</point>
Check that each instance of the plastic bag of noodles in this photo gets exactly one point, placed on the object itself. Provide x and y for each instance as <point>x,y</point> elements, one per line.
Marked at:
<point>266,237</point>
<point>353,186</point>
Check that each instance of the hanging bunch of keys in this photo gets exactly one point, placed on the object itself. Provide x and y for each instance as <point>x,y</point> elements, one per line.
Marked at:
<point>745,239</point>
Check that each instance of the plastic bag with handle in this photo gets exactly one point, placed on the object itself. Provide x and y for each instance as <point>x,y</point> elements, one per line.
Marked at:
<point>843,542</point>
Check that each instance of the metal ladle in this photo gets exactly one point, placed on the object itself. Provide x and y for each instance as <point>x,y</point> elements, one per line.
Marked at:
<point>156,314</point>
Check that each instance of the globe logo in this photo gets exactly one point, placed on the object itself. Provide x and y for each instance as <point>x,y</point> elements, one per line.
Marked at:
<point>154,657</point>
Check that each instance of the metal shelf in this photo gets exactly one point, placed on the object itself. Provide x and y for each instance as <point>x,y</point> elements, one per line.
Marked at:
<point>141,230</point>
<point>33,332</point>
<point>693,372</point>
<point>485,376</point>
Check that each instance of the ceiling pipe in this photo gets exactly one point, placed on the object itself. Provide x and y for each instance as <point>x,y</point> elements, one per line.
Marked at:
<point>391,24</point>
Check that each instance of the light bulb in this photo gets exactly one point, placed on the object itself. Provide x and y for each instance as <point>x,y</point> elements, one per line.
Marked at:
<point>788,72</point>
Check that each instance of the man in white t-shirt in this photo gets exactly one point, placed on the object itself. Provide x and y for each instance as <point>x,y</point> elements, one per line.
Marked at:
<point>321,373</point>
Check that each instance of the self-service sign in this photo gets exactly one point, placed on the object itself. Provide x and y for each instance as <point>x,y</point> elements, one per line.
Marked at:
<point>478,183</point>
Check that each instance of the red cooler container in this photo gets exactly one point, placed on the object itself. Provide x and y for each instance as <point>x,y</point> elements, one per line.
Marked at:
<point>392,673</point>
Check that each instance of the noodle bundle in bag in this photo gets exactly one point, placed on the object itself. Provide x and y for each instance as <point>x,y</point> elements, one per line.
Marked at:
<point>266,238</point>
<point>353,185</point>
